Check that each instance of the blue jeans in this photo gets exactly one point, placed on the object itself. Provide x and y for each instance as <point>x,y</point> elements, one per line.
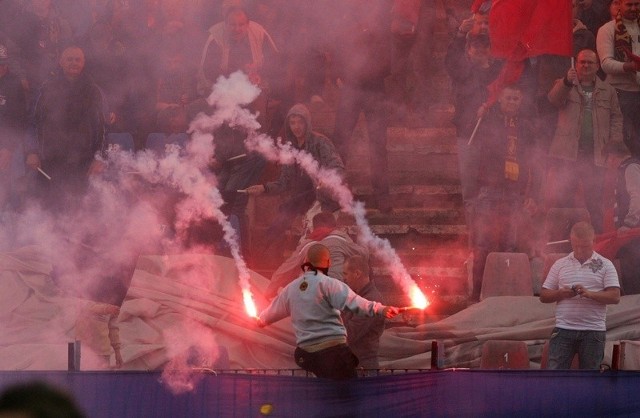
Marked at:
<point>564,344</point>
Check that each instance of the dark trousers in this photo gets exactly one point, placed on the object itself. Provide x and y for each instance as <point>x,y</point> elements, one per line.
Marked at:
<point>337,362</point>
<point>495,224</point>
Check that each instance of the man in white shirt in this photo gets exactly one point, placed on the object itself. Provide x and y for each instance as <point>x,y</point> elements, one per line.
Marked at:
<point>583,284</point>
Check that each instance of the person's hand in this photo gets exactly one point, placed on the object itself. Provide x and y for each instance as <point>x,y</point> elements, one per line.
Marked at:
<point>572,76</point>
<point>482,110</point>
<point>256,189</point>
<point>581,291</point>
<point>33,161</point>
<point>466,26</point>
<point>568,292</point>
<point>390,311</point>
<point>5,159</point>
<point>96,167</point>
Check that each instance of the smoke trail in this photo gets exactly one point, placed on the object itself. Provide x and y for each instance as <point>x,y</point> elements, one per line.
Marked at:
<point>228,108</point>
<point>186,173</point>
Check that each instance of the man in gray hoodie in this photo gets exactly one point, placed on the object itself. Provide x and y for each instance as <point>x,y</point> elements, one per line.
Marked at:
<point>301,189</point>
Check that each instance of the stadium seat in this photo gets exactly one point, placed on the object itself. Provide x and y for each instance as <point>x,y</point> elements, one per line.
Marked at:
<point>120,141</point>
<point>507,274</point>
<point>158,141</point>
<point>504,354</point>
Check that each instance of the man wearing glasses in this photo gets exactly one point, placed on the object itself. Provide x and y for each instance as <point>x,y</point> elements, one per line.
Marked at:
<point>588,137</point>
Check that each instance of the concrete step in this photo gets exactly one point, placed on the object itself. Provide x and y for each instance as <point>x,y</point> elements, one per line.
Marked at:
<point>427,227</point>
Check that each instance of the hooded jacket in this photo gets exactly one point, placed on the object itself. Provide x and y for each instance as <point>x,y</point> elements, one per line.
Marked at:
<point>292,177</point>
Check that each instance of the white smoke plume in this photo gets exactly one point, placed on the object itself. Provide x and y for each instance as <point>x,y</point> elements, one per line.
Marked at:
<point>283,153</point>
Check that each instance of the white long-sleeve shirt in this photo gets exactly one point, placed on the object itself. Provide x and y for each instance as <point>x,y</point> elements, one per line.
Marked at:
<point>605,44</point>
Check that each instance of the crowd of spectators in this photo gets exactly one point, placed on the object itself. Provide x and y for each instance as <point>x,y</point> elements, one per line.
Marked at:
<point>554,138</point>
<point>72,72</point>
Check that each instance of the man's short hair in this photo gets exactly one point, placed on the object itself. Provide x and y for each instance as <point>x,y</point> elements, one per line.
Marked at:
<point>316,254</point>
<point>513,86</point>
<point>582,230</point>
<point>235,9</point>
<point>590,50</point>
<point>324,219</point>
<point>358,262</point>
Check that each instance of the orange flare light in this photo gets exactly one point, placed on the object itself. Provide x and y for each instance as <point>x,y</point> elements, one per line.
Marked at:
<point>249,304</point>
<point>418,299</point>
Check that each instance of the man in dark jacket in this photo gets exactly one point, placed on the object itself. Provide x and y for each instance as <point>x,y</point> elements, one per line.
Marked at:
<point>505,180</point>
<point>67,132</point>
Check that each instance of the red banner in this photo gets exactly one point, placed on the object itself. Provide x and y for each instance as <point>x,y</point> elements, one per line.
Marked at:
<point>526,28</point>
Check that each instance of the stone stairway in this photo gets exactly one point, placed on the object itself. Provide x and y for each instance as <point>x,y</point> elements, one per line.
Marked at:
<point>427,227</point>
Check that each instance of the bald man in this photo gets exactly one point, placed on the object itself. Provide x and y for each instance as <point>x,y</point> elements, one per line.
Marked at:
<point>582,284</point>
<point>315,301</point>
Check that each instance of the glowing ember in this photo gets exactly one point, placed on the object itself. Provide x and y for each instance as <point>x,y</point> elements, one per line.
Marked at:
<point>249,304</point>
<point>418,299</point>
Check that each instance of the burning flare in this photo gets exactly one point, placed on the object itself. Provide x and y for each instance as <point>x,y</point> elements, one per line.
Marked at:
<point>418,299</point>
<point>249,304</point>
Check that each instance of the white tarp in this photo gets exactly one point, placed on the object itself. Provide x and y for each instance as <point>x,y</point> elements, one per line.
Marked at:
<point>174,298</point>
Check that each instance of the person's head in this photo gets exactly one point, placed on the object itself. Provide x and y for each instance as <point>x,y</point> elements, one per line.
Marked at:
<point>587,65</point>
<point>318,256</point>
<point>72,62</point>
<point>37,400</point>
<point>298,123</point>
<point>355,271</point>
<point>324,220</point>
<point>4,60</point>
<point>480,24</point>
<point>510,100</point>
<point>582,236</point>
<point>630,9</point>
<point>298,126</point>
<point>236,23</point>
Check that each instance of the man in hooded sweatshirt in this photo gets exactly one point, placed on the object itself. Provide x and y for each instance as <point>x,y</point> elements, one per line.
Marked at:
<point>303,193</point>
